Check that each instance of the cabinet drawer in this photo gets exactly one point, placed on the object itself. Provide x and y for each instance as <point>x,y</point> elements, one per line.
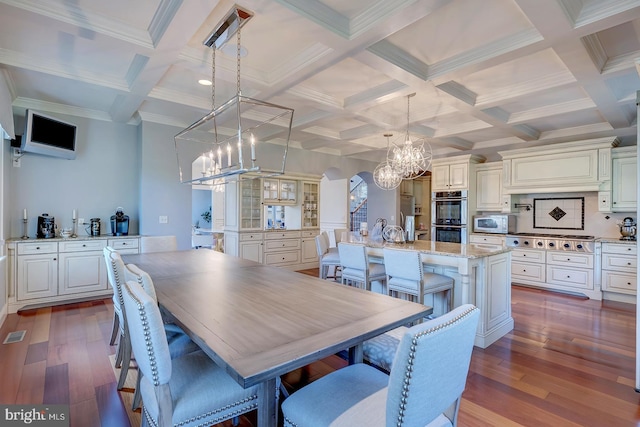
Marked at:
<point>570,277</point>
<point>120,244</point>
<point>528,255</point>
<point>250,236</point>
<point>310,233</point>
<point>570,259</point>
<point>527,271</point>
<point>37,248</point>
<point>619,282</point>
<point>274,235</point>
<point>619,262</point>
<point>82,245</point>
<point>620,248</point>
<point>480,238</point>
<point>286,244</point>
<point>282,258</point>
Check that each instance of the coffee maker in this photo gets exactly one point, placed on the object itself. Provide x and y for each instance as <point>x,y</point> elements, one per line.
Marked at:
<point>46,226</point>
<point>119,223</point>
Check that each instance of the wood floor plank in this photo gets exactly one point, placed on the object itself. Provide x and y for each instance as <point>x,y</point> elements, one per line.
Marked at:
<point>37,352</point>
<point>112,411</point>
<point>31,388</point>
<point>56,385</point>
<point>41,326</point>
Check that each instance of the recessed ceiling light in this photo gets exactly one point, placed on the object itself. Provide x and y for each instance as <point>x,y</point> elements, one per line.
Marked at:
<point>204,82</point>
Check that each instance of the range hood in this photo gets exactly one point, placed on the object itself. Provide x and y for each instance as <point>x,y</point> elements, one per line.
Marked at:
<point>7,130</point>
<point>579,166</point>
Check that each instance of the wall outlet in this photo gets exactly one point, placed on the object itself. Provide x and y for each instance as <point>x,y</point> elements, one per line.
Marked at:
<point>164,219</point>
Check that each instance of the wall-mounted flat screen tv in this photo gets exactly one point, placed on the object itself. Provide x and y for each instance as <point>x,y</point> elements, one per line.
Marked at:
<point>48,136</point>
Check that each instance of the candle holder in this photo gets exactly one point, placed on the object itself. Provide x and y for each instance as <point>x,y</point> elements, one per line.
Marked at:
<point>24,229</point>
<point>74,230</point>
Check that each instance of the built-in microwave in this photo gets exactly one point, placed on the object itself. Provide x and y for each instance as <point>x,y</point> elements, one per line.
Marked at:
<point>497,224</point>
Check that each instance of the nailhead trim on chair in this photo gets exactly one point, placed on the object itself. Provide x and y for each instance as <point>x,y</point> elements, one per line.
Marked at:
<point>412,353</point>
<point>235,413</point>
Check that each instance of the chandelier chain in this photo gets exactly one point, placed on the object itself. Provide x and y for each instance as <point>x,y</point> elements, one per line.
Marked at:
<point>213,79</point>
<point>238,61</point>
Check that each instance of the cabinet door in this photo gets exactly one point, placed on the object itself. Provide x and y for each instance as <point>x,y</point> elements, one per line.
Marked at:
<point>270,189</point>
<point>309,252</point>
<point>489,190</point>
<point>310,205</point>
<point>440,178</point>
<point>251,204</point>
<point>625,173</point>
<point>288,191</point>
<point>251,251</point>
<point>459,176</point>
<point>81,272</point>
<point>37,276</point>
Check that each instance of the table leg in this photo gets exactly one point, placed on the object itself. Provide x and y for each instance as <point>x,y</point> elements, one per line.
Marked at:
<point>268,407</point>
<point>355,354</point>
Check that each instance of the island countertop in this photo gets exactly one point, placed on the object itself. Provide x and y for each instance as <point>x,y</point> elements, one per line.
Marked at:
<point>470,251</point>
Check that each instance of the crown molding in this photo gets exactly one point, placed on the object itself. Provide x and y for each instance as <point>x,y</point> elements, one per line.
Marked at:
<point>52,107</point>
<point>525,88</point>
<point>307,93</point>
<point>552,110</point>
<point>595,50</point>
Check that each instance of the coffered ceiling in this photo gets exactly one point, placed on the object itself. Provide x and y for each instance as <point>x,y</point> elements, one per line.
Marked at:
<point>488,74</point>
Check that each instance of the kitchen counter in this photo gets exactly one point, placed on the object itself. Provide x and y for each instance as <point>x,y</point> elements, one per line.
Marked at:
<point>67,239</point>
<point>615,240</point>
<point>481,274</point>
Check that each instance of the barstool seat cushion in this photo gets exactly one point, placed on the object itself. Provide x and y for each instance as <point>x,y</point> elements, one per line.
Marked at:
<point>332,257</point>
<point>381,350</point>
<point>376,272</point>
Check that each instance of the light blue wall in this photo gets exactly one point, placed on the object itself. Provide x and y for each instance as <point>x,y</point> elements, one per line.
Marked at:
<point>103,176</point>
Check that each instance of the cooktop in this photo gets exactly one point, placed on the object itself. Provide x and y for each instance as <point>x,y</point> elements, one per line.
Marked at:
<point>553,236</point>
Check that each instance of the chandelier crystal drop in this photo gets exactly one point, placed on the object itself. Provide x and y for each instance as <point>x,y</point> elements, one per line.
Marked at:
<point>384,175</point>
<point>410,160</point>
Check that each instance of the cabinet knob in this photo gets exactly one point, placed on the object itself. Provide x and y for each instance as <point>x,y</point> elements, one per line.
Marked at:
<point>568,277</point>
<point>38,248</point>
<point>628,263</point>
<point>55,259</point>
<point>84,246</point>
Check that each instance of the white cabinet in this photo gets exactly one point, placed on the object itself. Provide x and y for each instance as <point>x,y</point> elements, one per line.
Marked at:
<point>250,207</point>
<point>282,248</point>
<point>310,204</point>
<point>619,268</point>
<point>489,187</point>
<point>624,180</point>
<point>406,187</point>
<point>251,246</point>
<point>81,267</point>
<point>50,271</point>
<point>279,191</point>
<point>528,267</point>
<point>450,177</point>
<point>452,173</point>
<point>37,270</point>
<point>487,239</point>
<point>309,252</point>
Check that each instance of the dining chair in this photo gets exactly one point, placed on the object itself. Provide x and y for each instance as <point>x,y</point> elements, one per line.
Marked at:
<point>188,391</point>
<point>150,244</point>
<point>327,258</point>
<point>405,274</point>
<point>179,343</point>
<point>356,267</point>
<point>117,274</point>
<point>424,387</point>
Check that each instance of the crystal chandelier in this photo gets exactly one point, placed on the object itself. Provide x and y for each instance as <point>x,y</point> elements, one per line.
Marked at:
<point>411,160</point>
<point>231,139</point>
<point>384,175</point>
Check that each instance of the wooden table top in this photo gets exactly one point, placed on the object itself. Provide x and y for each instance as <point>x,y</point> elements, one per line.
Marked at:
<point>261,321</point>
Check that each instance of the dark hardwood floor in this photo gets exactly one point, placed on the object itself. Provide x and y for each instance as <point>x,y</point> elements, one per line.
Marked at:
<point>568,362</point>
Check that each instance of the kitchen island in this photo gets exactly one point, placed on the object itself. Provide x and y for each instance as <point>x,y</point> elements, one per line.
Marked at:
<point>481,273</point>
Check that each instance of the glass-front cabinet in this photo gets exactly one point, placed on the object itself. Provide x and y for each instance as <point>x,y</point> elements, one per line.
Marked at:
<point>279,191</point>
<point>250,204</point>
<point>310,205</point>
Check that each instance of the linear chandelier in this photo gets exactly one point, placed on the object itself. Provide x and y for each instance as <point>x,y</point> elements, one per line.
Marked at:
<point>410,160</point>
<point>232,138</point>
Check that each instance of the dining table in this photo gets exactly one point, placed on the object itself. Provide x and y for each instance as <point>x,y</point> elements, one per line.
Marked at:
<point>259,322</point>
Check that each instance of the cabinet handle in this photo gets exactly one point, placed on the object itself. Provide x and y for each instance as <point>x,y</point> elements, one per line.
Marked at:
<point>55,259</point>
<point>37,248</point>
<point>628,263</point>
<point>84,246</point>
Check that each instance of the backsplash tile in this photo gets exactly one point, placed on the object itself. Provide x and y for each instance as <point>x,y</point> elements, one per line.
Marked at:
<point>559,213</point>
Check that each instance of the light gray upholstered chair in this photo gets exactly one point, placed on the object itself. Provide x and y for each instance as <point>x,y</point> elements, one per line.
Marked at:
<point>405,274</point>
<point>149,244</point>
<point>327,258</point>
<point>179,343</point>
<point>187,391</point>
<point>424,386</point>
<point>356,267</point>
<point>117,274</point>
<point>338,234</point>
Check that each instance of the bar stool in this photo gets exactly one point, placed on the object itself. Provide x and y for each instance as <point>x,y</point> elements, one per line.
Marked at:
<point>405,274</point>
<point>327,257</point>
<point>356,267</point>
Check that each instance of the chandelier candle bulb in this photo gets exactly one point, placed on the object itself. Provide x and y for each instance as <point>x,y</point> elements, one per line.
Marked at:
<point>24,214</point>
<point>228,154</point>
<point>220,157</point>
<point>73,216</point>
<point>253,148</point>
